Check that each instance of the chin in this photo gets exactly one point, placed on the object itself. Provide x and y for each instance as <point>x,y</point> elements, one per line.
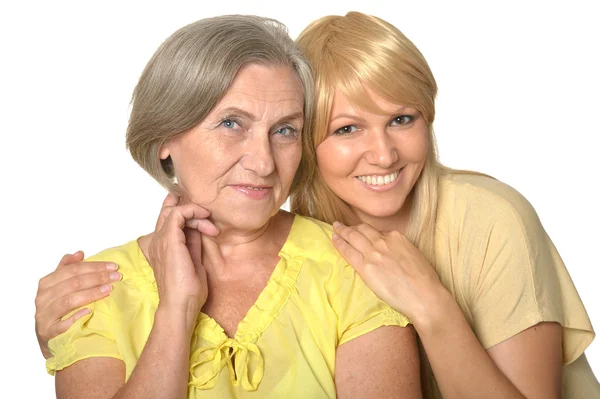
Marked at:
<point>243,219</point>
<point>380,210</point>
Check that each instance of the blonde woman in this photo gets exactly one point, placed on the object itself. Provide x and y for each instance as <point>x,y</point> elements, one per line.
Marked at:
<point>463,255</point>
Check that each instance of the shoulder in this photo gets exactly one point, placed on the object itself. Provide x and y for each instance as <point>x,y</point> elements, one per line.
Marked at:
<point>310,238</point>
<point>310,245</point>
<point>131,262</point>
<point>481,199</point>
<point>127,256</point>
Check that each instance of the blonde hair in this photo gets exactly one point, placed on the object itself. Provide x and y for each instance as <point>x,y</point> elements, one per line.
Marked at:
<point>192,70</point>
<point>349,54</point>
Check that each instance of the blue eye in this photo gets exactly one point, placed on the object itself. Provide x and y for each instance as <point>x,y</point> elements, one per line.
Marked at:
<point>287,131</point>
<point>402,120</point>
<point>229,123</point>
<point>345,130</point>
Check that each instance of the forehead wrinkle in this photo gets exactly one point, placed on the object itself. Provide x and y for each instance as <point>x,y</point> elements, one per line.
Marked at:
<point>257,108</point>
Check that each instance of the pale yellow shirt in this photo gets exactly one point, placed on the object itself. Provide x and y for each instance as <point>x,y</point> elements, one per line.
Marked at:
<point>284,347</point>
<point>494,256</point>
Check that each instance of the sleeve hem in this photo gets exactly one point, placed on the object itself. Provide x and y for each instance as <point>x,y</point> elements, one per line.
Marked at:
<point>52,366</point>
<point>580,338</point>
<point>388,317</point>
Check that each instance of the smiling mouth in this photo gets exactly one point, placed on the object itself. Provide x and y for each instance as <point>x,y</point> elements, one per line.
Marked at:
<point>379,180</point>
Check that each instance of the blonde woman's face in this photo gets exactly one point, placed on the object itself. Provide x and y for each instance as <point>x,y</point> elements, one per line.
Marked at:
<point>372,161</point>
<point>240,161</point>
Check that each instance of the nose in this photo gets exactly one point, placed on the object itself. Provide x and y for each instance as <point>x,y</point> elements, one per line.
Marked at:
<point>381,149</point>
<point>258,158</point>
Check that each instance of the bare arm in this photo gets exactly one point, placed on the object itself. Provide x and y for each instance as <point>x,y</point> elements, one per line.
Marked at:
<point>162,370</point>
<point>528,365</point>
<point>381,364</point>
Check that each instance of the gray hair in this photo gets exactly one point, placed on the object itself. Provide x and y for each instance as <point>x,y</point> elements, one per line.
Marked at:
<point>192,70</point>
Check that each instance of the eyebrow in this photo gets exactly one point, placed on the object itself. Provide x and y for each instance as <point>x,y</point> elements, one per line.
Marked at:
<point>237,111</point>
<point>246,114</point>
<point>291,117</point>
<point>358,118</point>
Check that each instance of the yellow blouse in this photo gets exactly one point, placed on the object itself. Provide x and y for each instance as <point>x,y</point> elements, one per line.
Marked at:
<point>284,347</point>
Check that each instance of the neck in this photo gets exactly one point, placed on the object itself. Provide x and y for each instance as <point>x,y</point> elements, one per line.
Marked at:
<point>234,249</point>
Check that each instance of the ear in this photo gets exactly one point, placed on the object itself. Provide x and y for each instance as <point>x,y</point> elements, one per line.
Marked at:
<point>164,152</point>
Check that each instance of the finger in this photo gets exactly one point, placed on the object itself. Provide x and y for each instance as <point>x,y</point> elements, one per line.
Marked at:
<point>193,241</point>
<point>353,237</point>
<point>98,280</point>
<point>204,226</point>
<point>170,201</point>
<point>71,258</point>
<point>70,270</point>
<point>66,304</point>
<point>180,214</point>
<point>63,325</point>
<point>79,283</point>
<point>372,234</point>
<point>348,252</point>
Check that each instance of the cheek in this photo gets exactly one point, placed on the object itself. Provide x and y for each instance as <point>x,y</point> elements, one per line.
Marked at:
<point>414,148</point>
<point>334,158</point>
<point>287,159</point>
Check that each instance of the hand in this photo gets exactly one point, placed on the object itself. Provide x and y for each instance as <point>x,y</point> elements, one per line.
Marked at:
<point>180,277</point>
<point>390,265</point>
<point>73,284</point>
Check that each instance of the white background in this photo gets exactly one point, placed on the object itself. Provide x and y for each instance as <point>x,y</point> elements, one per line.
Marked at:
<point>519,85</point>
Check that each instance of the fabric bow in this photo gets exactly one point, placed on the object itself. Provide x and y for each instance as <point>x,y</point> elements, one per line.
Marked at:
<point>206,364</point>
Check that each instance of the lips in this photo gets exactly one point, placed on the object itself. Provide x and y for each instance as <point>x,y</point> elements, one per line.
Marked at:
<point>379,180</point>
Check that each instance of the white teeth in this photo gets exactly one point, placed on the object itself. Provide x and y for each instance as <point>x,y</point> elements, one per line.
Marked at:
<point>379,180</point>
<point>254,188</point>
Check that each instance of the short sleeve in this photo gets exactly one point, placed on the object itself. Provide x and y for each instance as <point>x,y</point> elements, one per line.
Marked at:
<point>89,336</point>
<point>358,309</point>
<point>517,277</point>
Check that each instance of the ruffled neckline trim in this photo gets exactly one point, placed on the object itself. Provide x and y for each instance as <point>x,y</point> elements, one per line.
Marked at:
<point>268,304</point>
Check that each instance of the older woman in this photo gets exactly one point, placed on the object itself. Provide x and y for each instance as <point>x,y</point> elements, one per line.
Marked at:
<point>230,296</point>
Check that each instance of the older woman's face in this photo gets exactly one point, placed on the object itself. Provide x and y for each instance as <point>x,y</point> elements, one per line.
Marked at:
<point>239,162</point>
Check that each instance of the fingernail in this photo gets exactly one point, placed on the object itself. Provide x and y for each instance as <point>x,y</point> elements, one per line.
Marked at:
<point>112,266</point>
<point>336,224</point>
<point>105,288</point>
<point>335,236</point>
<point>116,276</point>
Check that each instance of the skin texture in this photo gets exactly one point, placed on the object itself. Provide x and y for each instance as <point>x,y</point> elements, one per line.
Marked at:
<point>205,250</point>
<point>527,365</point>
<point>394,373</point>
